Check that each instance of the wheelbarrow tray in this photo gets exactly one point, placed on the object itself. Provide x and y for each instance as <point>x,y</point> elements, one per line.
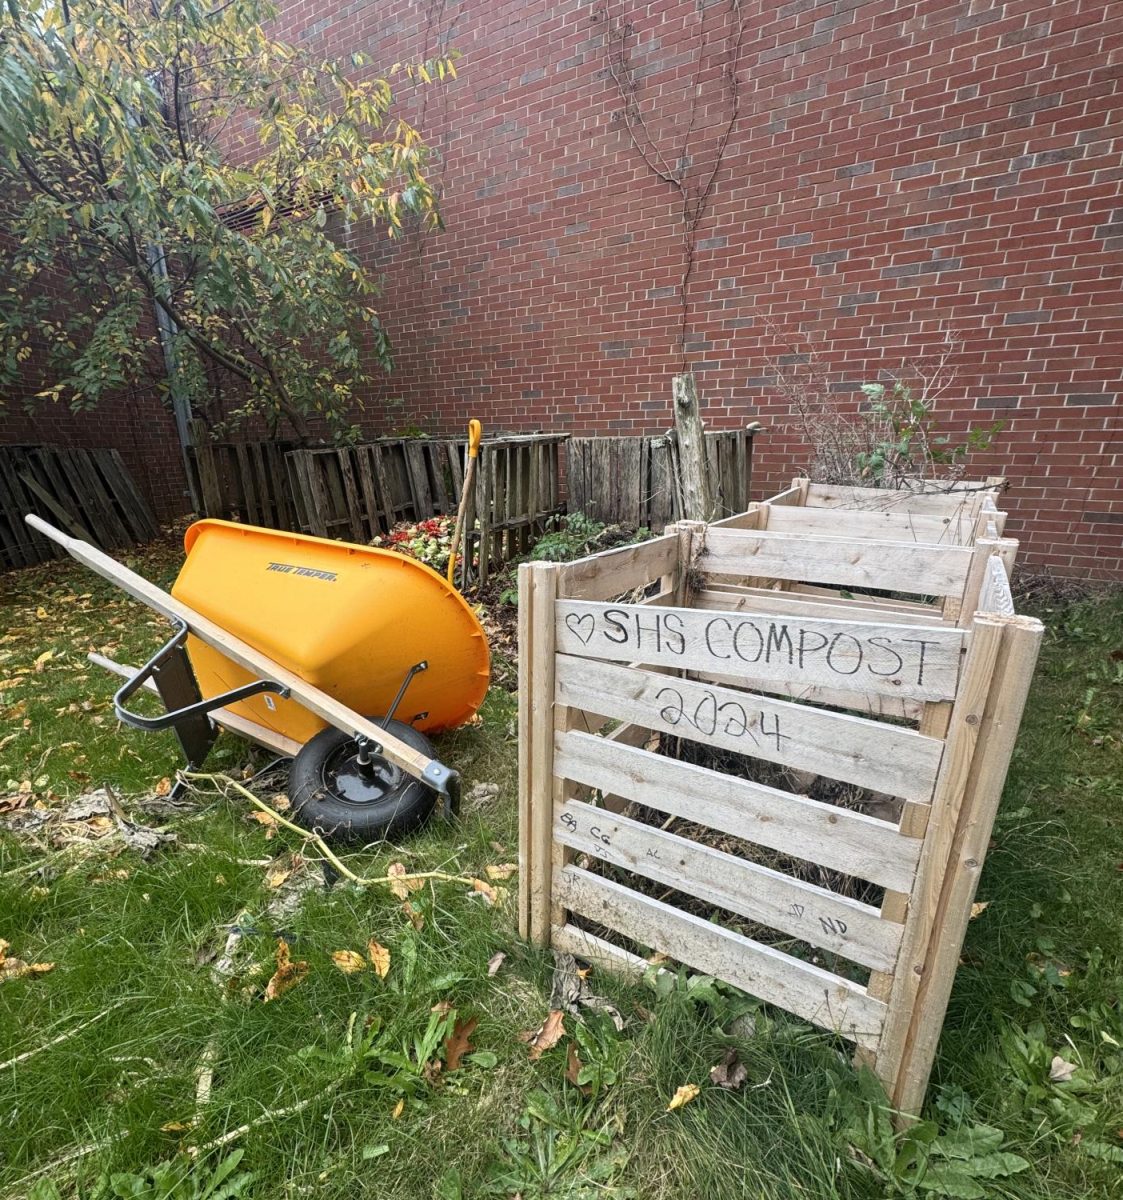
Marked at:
<point>280,680</point>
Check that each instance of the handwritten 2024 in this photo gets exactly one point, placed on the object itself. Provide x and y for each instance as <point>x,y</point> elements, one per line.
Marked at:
<point>737,639</point>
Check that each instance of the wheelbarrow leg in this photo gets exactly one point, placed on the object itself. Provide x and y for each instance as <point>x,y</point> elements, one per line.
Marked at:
<point>175,681</point>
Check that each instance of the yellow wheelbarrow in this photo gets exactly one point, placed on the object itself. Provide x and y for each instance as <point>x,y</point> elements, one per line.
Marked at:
<point>341,657</point>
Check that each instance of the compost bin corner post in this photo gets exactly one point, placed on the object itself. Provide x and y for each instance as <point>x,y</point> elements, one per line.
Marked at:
<point>538,589</point>
<point>940,905</point>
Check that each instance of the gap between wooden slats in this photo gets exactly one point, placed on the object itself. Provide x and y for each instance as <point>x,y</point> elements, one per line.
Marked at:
<point>837,838</point>
<point>818,996</point>
<point>866,753</point>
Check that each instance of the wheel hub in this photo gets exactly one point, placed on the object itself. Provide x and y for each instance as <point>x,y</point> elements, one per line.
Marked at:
<point>353,781</point>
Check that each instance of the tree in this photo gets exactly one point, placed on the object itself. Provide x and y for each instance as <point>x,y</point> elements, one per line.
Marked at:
<point>169,157</point>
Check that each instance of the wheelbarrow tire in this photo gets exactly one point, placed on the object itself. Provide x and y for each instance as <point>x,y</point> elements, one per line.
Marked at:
<point>324,773</point>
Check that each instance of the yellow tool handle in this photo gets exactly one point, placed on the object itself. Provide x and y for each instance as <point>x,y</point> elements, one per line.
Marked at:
<point>475,435</point>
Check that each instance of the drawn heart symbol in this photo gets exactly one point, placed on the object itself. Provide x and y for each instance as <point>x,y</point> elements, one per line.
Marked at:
<point>577,623</point>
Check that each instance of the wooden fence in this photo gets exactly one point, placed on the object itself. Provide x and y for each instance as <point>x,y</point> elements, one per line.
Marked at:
<point>846,830</point>
<point>89,493</point>
<point>636,480</point>
<point>242,481</point>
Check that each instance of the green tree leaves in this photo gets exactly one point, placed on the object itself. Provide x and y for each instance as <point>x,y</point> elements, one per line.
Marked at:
<point>173,155</point>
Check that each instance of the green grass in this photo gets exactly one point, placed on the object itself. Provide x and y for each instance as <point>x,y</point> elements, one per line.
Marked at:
<point>1042,974</point>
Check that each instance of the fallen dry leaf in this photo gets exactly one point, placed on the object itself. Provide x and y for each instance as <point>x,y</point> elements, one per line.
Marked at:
<point>730,1073</point>
<point>398,1109</point>
<point>403,887</point>
<point>683,1096</point>
<point>548,1034</point>
<point>494,963</point>
<point>348,961</point>
<point>287,975</point>
<point>573,1065</point>
<point>502,871</point>
<point>458,1043</point>
<point>43,659</point>
<point>978,908</point>
<point>16,968</point>
<point>176,1127</point>
<point>379,958</point>
<point>444,1007</point>
<point>1061,1071</point>
<point>489,893</point>
<point>164,786</point>
<point>41,613</point>
<point>416,919</point>
<point>277,876</point>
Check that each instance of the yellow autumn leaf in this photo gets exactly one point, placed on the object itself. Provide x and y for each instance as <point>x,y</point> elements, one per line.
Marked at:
<point>348,961</point>
<point>399,1108</point>
<point>164,786</point>
<point>683,1096</point>
<point>402,887</point>
<point>379,958</point>
<point>287,975</point>
<point>489,893</point>
<point>176,1127</point>
<point>503,871</point>
<point>41,613</point>
<point>276,877</point>
<point>44,658</point>
<point>978,908</point>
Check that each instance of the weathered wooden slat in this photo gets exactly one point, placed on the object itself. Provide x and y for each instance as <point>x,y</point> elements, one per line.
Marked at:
<point>869,754</point>
<point>818,996</point>
<point>726,597</point>
<point>940,504</point>
<point>891,566</point>
<point>918,662</point>
<point>351,497</point>
<point>614,572</point>
<point>837,838</point>
<point>811,914</point>
<point>887,525</point>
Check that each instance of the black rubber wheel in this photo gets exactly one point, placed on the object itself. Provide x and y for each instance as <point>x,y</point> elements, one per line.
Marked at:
<point>336,796</point>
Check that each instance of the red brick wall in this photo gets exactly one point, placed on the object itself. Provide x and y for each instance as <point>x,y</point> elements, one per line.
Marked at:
<point>898,173</point>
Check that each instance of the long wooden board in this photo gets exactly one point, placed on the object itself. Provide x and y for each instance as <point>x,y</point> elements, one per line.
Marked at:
<point>818,996</point>
<point>883,659</point>
<point>614,572</point>
<point>870,754</point>
<point>812,914</point>
<point>727,597</point>
<point>847,562</point>
<point>837,838</point>
<point>966,498</point>
<point>889,525</point>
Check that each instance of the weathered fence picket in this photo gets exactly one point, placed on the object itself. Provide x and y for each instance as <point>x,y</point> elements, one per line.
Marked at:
<point>90,493</point>
<point>636,480</point>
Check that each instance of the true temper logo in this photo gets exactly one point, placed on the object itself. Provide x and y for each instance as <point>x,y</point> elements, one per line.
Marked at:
<point>310,572</point>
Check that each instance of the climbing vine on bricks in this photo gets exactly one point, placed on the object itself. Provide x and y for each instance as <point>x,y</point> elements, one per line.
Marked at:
<point>173,158</point>
<point>690,164</point>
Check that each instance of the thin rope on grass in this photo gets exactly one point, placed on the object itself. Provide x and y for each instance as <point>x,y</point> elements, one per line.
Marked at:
<point>223,784</point>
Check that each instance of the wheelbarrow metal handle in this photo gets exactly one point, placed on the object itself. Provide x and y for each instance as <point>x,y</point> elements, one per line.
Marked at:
<point>167,720</point>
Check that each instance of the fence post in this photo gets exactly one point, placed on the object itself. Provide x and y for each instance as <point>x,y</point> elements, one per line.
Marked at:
<point>698,500</point>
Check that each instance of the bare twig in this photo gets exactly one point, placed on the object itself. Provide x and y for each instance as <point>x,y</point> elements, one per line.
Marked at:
<point>223,782</point>
<point>63,1037</point>
<point>273,1114</point>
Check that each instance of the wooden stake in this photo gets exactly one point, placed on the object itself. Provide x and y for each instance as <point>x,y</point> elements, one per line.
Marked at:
<point>697,494</point>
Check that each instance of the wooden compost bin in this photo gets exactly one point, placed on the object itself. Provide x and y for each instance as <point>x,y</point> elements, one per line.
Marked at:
<point>825,710</point>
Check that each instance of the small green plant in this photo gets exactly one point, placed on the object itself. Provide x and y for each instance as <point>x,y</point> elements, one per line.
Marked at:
<point>601,1054</point>
<point>920,1159</point>
<point>176,1179</point>
<point>906,444</point>
<point>556,1155</point>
